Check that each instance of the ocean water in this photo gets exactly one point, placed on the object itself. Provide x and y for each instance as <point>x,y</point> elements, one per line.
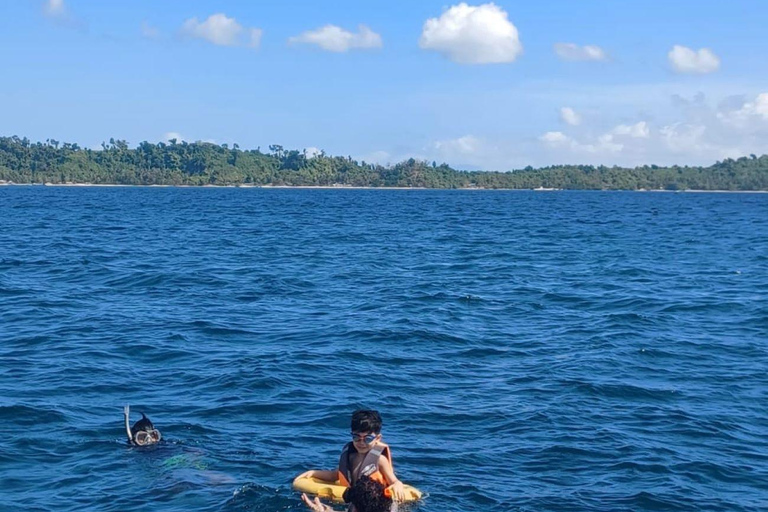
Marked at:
<point>528,351</point>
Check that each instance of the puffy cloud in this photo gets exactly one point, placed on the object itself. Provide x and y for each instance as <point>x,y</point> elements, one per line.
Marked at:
<point>555,138</point>
<point>759,106</point>
<point>684,138</point>
<point>473,35</point>
<point>574,52</point>
<point>637,131</point>
<point>465,145</point>
<point>336,39</point>
<point>55,9</point>
<point>749,111</point>
<point>686,60</point>
<point>217,29</point>
<point>568,115</point>
<point>221,30</point>
<point>312,152</point>
<point>603,144</point>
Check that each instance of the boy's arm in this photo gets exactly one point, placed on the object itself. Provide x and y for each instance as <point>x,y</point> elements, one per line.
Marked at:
<point>326,475</point>
<point>395,485</point>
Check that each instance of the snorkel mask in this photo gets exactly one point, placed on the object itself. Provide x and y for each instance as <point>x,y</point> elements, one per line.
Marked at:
<point>146,437</point>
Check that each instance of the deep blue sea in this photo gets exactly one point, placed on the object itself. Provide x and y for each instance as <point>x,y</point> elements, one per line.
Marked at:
<point>528,351</point>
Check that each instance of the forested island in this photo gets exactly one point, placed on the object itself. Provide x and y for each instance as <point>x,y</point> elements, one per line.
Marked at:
<point>202,163</point>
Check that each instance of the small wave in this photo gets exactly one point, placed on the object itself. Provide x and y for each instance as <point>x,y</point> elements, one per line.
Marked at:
<point>252,496</point>
<point>27,415</point>
<point>624,391</point>
<point>213,329</point>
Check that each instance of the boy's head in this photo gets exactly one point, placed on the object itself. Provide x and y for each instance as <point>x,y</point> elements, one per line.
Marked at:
<point>368,496</point>
<point>366,429</point>
<point>366,421</point>
<point>144,432</point>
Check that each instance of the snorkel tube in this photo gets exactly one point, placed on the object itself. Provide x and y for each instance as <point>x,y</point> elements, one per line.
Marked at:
<point>127,413</point>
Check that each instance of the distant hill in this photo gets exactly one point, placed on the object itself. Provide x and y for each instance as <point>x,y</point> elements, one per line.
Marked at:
<point>202,163</point>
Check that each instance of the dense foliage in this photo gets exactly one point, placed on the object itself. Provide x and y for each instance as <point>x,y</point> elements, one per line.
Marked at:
<point>202,163</point>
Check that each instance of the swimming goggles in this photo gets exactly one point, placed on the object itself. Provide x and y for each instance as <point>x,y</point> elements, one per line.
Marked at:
<point>367,439</point>
<point>144,437</point>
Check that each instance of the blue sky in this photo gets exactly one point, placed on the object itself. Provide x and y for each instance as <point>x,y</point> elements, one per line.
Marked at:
<point>479,85</point>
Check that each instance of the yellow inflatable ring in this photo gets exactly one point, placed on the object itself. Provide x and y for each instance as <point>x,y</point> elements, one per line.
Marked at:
<point>335,491</point>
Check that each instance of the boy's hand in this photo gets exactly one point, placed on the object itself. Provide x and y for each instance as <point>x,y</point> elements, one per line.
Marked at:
<point>315,504</point>
<point>307,474</point>
<point>397,490</point>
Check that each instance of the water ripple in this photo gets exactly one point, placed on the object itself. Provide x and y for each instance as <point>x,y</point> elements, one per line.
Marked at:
<point>574,351</point>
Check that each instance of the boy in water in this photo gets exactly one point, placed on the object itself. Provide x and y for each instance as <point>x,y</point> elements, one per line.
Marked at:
<point>365,456</point>
<point>143,432</point>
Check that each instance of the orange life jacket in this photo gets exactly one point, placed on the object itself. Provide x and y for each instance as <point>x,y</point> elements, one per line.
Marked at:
<point>369,467</point>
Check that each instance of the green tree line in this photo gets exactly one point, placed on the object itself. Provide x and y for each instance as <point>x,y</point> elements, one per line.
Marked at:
<point>203,163</point>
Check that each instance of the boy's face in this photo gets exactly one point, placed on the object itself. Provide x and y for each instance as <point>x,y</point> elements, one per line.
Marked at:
<point>147,437</point>
<point>364,441</point>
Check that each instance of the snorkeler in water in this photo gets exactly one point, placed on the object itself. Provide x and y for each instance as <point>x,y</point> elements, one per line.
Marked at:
<point>143,432</point>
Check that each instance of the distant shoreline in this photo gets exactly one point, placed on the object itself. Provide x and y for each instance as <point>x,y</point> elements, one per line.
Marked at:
<point>345,187</point>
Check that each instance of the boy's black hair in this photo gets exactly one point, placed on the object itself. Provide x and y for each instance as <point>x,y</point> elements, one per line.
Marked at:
<point>365,420</point>
<point>144,424</point>
<point>368,496</point>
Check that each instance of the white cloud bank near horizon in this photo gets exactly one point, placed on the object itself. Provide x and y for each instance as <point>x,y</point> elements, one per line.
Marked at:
<point>221,30</point>
<point>473,35</point>
<point>699,132</point>
<point>335,39</point>
<point>701,135</point>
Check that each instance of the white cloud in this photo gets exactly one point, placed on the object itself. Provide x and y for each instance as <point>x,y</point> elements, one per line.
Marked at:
<point>686,60</point>
<point>222,31</point>
<point>759,106</point>
<point>694,133</point>
<point>312,152</point>
<point>685,123</point>
<point>601,145</point>
<point>55,9</point>
<point>555,138</point>
<point>473,35</point>
<point>217,29</point>
<point>465,145</point>
<point>574,52</point>
<point>336,39</point>
<point>685,138</point>
<point>148,31</point>
<point>747,113</point>
<point>638,131</point>
<point>568,115</point>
